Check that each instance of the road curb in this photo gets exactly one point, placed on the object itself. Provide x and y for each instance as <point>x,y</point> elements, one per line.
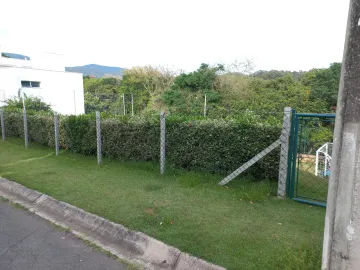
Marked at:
<point>122,242</point>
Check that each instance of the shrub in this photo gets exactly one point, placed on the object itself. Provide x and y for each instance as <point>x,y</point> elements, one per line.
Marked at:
<point>217,146</point>
<point>14,124</point>
<point>220,146</point>
<point>78,133</point>
<point>41,129</point>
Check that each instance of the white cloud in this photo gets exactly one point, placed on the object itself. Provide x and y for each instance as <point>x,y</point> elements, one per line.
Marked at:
<point>277,34</point>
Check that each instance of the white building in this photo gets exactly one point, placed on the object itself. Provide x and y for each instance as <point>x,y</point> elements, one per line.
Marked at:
<point>42,75</point>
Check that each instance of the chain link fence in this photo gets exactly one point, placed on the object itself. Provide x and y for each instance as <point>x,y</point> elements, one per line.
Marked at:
<point>257,142</point>
<point>113,104</point>
<point>310,157</point>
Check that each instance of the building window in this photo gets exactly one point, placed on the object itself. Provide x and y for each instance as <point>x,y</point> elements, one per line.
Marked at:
<point>30,84</point>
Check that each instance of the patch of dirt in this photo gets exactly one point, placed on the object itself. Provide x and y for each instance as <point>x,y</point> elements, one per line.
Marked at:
<point>150,211</point>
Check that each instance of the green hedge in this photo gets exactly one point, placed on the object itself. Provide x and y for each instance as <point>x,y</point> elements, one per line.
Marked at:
<point>221,146</point>
<point>78,133</point>
<point>41,129</point>
<point>216,146</point>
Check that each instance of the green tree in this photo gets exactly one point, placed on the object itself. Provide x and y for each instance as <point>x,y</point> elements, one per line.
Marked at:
<point>101,94</point>
<point>31,103</point>
<point>147,84</point>
<point>324,84</point>
<point>274,95</point>
<point>204,78</point>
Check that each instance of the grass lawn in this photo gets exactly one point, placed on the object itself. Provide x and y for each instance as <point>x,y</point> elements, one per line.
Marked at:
<point>241,226</point>
<point>309,185</point>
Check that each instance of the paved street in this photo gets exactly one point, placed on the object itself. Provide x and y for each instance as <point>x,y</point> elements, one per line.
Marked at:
<point>29,242</point>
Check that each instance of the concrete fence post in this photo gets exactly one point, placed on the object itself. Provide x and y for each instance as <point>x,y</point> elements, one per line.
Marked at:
<point>162,142</point>
<point>26,135</point>
<point>132,104</point>
<point>284,152</point>
<point>2,124</point>
<point>123,98</point>
<point>341,246</point>
<point>98,138</point>
<point>56,128</point>
<point>205,106</point>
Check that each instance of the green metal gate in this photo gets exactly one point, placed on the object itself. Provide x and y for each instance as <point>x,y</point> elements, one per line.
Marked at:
<point>310,148</point>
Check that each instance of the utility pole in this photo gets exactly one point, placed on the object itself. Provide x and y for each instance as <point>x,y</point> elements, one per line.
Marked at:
<point>205,106</point>
<point>124,103</point>
<point>132,104</point>
<point>341,247</point>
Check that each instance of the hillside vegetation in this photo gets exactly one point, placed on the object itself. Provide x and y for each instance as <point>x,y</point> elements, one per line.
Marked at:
<point>227,91</point>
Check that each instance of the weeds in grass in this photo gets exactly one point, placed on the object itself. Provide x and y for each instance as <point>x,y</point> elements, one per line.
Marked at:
<point>61,228</point>
<point>3,199</point>
<point>306,257</point>
<point>19,206</point>
<point>130,266</point>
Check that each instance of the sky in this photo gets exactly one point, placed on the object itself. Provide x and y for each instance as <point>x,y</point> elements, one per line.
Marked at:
<point>274,34</point>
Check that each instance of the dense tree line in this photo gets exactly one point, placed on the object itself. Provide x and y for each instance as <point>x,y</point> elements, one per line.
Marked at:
<point>227,91</point>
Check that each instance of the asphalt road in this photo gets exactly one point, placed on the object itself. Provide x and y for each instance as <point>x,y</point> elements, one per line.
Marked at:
<point>31,243</point>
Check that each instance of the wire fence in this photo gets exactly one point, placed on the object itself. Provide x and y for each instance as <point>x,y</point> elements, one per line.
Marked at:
<point>293,149</point>
<point>218,145</point>
<point>311,155</point>
<point>210,139</point>
<point>132,104</point>
<point>115,104</point>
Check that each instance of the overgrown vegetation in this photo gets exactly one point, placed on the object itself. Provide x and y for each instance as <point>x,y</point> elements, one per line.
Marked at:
<point>32,104</point>
<point>229,90</point>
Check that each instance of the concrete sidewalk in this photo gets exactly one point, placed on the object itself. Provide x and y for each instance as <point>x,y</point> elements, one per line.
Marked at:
<point>30,242</point>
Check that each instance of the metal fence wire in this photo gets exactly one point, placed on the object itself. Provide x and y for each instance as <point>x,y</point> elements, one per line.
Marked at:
<point>293,148</point>
<point>310,157</point>
<point>113,104</point>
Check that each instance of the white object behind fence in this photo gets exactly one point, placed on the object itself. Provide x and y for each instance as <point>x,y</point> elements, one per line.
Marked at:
<point>323,160</point>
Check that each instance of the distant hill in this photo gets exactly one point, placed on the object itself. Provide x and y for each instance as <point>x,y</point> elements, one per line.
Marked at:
<point>97,70</point>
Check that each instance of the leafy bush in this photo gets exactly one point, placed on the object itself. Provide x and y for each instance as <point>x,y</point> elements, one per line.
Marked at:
<point>131,138</point>
<point>14,124</point>
<point>41,129</point>
<point>217,146</point>
<point>220,146</point>
<point>31,103</point>
<point>78,133</point>
<point>173,98</point>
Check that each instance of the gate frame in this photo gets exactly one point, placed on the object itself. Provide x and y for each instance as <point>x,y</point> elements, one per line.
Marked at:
<point>292,155</point>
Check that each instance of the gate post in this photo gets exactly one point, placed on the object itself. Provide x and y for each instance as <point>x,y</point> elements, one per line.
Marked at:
<point>284,153</point>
